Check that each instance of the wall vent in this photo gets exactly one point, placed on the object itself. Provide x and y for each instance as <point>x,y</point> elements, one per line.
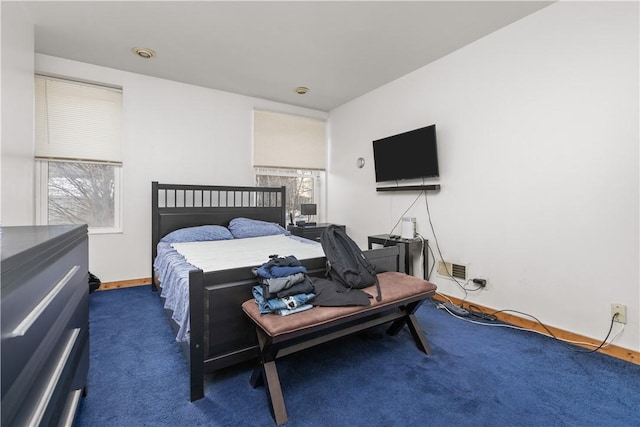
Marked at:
<point>448,269</point>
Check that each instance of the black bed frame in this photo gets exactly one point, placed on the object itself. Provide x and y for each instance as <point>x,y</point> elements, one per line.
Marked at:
<point>220,333</point>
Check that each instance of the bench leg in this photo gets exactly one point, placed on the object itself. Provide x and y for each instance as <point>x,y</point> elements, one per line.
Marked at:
<point>267,373</point>
<point>256,379</point>
<point>274,393</point>
<point>418,336</point>
<point>399,324</point>
<point>395,327</point>
<point>414,327</point>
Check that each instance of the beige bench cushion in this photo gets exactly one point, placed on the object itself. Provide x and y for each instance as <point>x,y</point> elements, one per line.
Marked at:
<point>396,287</point>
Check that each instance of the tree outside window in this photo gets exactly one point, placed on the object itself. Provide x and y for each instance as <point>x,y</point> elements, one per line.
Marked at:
<point>301,185</point>
<point>81,193</point>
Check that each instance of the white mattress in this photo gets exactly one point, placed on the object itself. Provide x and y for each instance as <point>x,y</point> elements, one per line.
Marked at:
<point>253,251</point>
<point>174,262</point>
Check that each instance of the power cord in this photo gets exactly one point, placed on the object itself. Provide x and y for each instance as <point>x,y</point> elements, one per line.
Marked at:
<point>435,238</point>
<point>560,340</point>
<point>563,342</point>
<point>477,288</point>
<point>445,297</point>
<point>476,312</point>
<point>427,275</point>
<point>403,213</point>
<point>417,234</point>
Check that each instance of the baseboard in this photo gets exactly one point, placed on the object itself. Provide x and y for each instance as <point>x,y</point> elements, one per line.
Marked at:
<point>124,284</point>
<point>611,350</point>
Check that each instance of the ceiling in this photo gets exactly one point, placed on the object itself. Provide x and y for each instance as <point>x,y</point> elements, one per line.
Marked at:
<point>338,49</point>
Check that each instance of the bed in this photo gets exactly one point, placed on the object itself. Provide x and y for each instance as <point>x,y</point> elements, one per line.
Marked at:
<point>219,333</point>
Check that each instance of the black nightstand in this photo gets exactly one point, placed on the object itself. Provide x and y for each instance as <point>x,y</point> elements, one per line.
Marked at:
<point>311,232</point>
<point>409,246</point>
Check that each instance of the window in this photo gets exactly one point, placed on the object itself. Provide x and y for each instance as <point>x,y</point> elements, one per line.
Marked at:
<point>303,186</point>
<point>78,154</point>
<point>79,193</point>
<point>290,151</point>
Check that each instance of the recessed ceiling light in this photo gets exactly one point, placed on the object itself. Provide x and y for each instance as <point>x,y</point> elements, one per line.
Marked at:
<point>301,90</point>
<point>144,52</point>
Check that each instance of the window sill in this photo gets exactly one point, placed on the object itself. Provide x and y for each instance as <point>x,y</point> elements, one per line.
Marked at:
<point>100,231</point>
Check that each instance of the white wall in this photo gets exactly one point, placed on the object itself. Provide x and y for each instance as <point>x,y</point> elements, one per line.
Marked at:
<point>172,133</point>
<point>538,145</point>
<point>17,116</point>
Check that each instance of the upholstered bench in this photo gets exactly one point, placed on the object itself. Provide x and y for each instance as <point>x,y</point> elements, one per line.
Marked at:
<point>279,336</point>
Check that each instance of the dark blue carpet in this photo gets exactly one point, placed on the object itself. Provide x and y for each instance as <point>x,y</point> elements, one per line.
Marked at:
<point>476,376</point>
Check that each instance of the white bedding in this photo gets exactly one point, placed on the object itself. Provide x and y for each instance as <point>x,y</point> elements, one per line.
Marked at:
<point>175,260</point>
<point>252,251</point>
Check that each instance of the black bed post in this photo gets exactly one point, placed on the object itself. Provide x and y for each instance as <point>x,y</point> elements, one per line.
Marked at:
<point>401,258</point>
<point>155,238</point>
<point>196,334</point>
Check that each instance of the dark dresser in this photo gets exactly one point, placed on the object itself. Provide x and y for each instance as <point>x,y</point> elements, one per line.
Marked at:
<point>311,232</point>
<point>45,323</point>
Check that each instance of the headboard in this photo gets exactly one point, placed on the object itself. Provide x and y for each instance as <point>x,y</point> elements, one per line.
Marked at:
<point>175,206</point>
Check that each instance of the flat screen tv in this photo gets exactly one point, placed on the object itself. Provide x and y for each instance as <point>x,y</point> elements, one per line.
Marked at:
<point>408,155</point>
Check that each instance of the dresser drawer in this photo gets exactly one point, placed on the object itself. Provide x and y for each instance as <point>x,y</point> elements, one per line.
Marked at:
<point>44,402</point>
<point>40,306</point>
<point>44,314</point>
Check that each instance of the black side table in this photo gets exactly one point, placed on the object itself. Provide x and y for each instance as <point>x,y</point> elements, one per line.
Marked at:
<point>409,246</point>
<point>311,232</point>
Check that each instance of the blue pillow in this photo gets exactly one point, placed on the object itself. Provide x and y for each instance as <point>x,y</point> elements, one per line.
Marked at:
<point>245,227</point>
<point>200,233</point>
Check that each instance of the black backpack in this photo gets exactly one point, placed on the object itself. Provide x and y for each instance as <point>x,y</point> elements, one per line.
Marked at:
<point>346,264</point>
<point>94,283</point>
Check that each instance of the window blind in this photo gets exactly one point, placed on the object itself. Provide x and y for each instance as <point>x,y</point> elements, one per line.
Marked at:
<point>77,121</point>
<point>288,141</point>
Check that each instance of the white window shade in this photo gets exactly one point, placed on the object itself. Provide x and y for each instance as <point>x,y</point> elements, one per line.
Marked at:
<point>286,141</point>
<point>77,121</point>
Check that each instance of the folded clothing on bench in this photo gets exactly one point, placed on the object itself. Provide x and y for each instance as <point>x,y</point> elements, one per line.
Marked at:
<point>396,288</point>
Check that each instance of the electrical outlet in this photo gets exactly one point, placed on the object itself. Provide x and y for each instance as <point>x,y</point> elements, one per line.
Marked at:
<point>621,311</point>
<point>480,282</point>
